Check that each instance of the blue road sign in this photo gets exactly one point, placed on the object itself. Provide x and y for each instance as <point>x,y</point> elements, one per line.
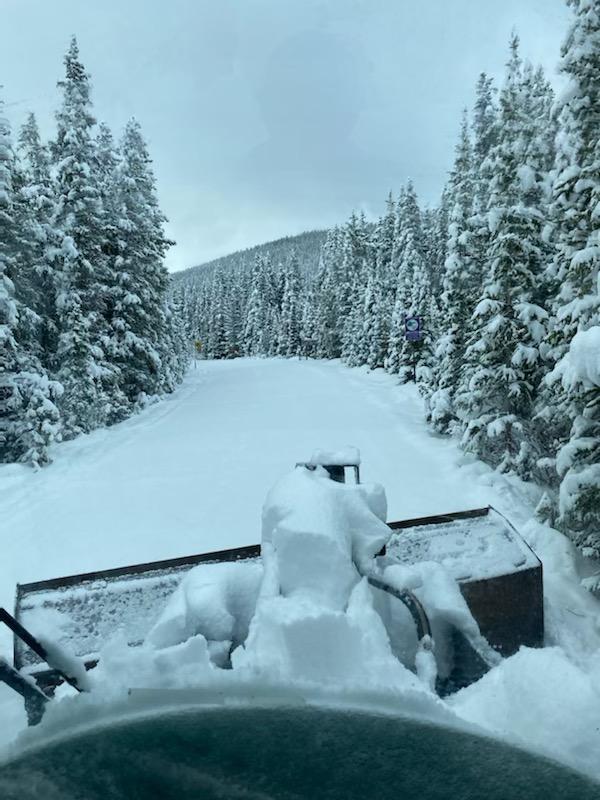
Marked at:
<point>412,329</point>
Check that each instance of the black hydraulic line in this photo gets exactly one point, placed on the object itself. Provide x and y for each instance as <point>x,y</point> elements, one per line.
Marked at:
<point>35,645</point>
<point>35,699</point>
<point>415,607</point>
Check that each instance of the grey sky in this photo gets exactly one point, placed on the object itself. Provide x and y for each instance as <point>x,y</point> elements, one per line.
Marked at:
<point>269,117</point>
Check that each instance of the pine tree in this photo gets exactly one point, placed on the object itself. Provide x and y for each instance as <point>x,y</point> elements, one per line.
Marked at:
<point>380,290</point>
<point>308,326</point>
<point>328,297</point>
<point>175,343</point>
<point>109,277</point>
<point>457,285</point>
<point>289,335</point>
<point>485,131</point>
<point>574,273</point>
<point>80,358</point>
<point>140,316</point>
<point>413,290</point>
<point>29,419</point>
<point>505,357</point>
<point>43,239</point>
<point>257,317</point>
<point>354,269</point>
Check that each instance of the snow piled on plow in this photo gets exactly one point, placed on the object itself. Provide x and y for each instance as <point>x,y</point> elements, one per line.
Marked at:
<point>304,615</point>
<point>315,619</point>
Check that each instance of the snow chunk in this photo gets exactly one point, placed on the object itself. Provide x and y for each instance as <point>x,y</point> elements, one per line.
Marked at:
<point>541,700</point>
<point>527,177</point>
<point>121,666</point>
<point>345,522</point>
<point>296,640</point>
<point>581,364</point>
<point>59,658</point>
<point>215,600</point>
<point>442,599</point>
<point>315,619</point>
<point>346,456</point>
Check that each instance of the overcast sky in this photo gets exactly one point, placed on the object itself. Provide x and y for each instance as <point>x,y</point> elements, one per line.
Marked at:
<point>269,117</point>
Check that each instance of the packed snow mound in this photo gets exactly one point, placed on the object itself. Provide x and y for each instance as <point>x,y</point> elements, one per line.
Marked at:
<point>214,600</point>
<point>303,614</point>
<point>581,364</point>
<point>542,700</point>
<point>307,510</point>
<point>315,619</point>
<point>347,456</point>
<point>300,642</point>
<point>440,595</point>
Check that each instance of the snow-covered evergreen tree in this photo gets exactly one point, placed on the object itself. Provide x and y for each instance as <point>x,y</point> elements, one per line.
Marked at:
<point>43,240</point>
<point>356,252</point>
<point>255,335</point>
<point>457,287</point>
<point>140,324</point>
<point>29,418</point>
<point>327,297</point>
<point>413,289</point>
<point>288,343</point>
<point>309,342</point>
<point>505,357</point>
<point>574,272</point>
<point>380,289</point>
<point>78,214</point>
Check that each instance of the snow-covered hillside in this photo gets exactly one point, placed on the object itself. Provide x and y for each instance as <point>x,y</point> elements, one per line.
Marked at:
<point>190,474</point>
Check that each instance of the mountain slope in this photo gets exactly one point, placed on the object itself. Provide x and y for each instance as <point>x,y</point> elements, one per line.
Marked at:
<point>307,246</point>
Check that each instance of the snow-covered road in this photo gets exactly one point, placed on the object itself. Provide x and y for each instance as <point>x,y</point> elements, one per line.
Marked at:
<point>190,474</point>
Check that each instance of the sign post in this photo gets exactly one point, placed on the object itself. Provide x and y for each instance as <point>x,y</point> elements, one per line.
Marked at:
<point>197,351</point>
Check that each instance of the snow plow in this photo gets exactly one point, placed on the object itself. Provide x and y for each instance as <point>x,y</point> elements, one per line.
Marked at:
<point>458,591</point>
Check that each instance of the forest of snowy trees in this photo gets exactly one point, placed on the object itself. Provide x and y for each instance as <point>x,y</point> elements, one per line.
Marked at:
<point>87,334</point>
<point>503,273</point>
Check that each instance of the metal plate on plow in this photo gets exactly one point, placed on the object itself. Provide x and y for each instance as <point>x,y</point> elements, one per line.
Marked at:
<point>470,548</point>
<point>81,612</point>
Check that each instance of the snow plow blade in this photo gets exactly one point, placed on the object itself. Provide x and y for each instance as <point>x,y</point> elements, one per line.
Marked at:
<point>499,577</point>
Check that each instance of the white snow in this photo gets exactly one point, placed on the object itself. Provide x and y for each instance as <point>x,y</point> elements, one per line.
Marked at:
<point>61,659</point>
<point>215,600</point>
<point>315,619</point>
<point>306,512</point>
<point>581,364</point>
<point>477,548</point>
<point>190,474</point>
<point>345,456</point>
<point>440,595</point>
<point>539,699</point>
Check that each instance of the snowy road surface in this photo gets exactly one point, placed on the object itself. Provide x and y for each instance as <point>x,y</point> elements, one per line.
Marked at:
<point>190,474</point>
